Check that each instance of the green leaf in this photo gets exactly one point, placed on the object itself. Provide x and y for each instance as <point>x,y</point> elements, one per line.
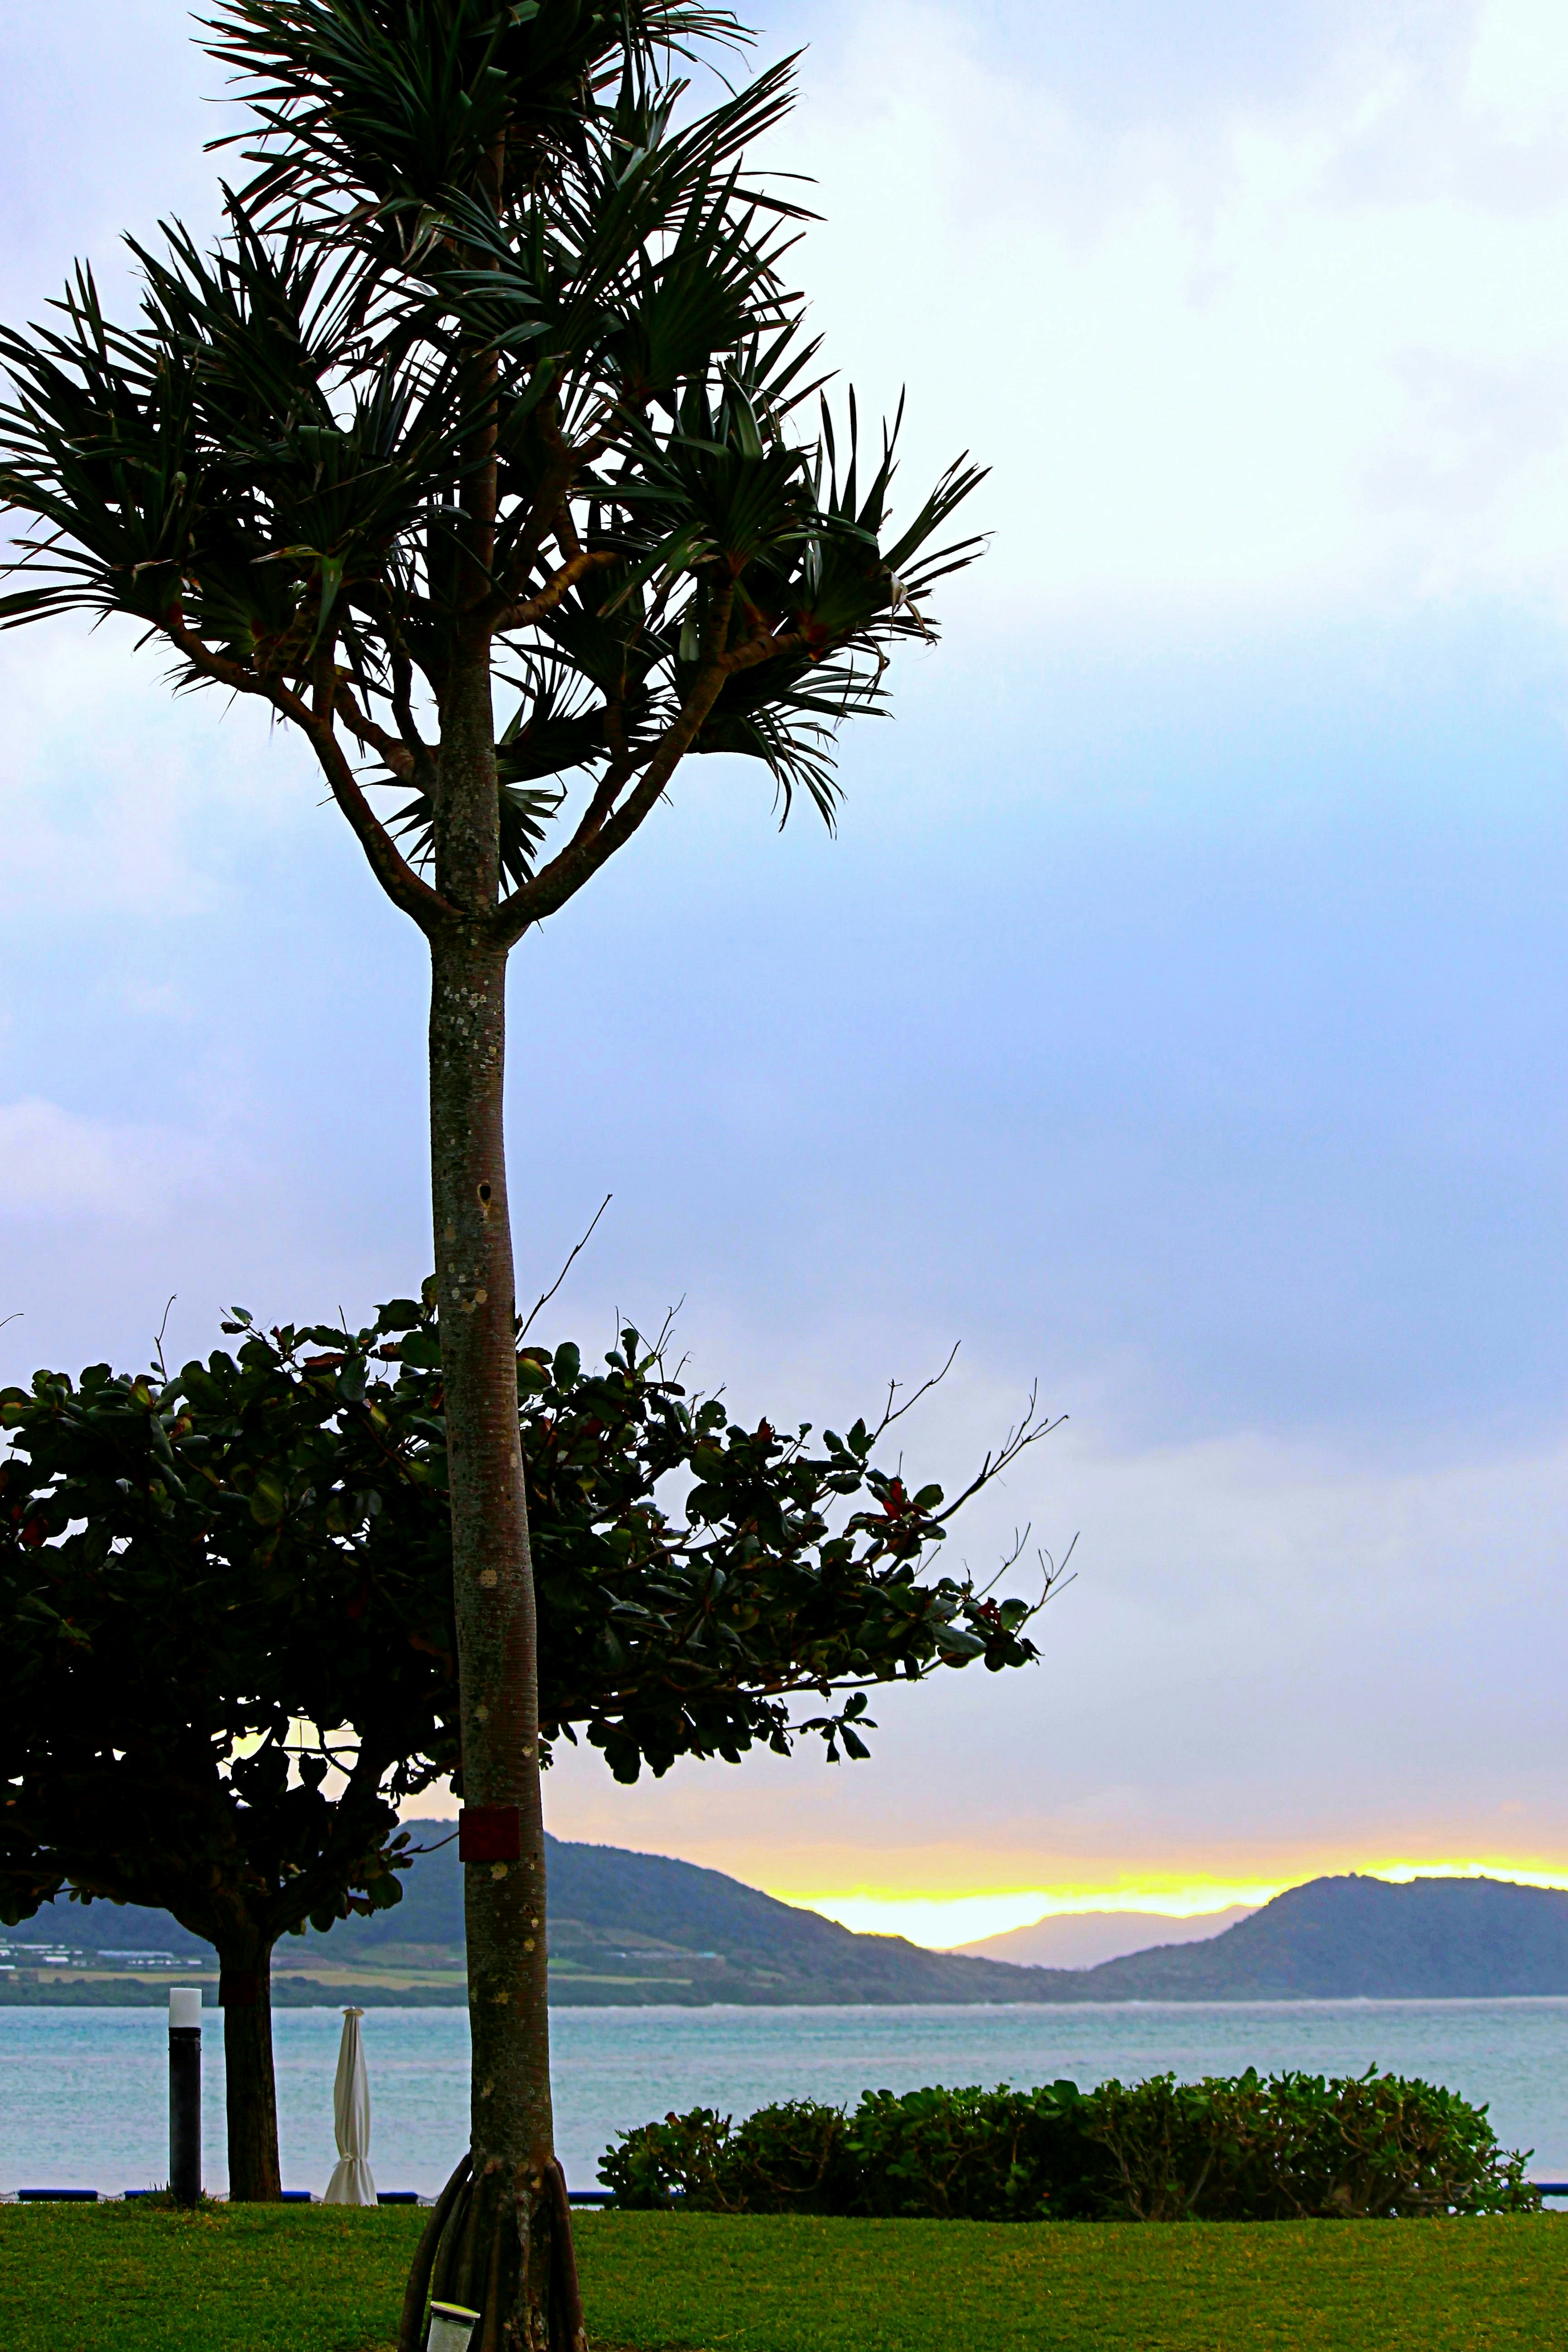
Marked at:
<point>269,1499</point>
<point>399,1315</point>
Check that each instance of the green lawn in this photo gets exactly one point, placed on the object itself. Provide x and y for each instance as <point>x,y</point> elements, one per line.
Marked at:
<point>121,2279</point>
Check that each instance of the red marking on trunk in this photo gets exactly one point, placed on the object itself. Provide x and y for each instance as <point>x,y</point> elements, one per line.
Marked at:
<point>489,1834</point>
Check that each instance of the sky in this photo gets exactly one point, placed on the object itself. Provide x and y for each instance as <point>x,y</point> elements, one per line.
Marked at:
<point>1176,1019</point>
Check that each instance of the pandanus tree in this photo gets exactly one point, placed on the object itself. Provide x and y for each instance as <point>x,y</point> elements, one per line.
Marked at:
<point>494,377</point>
<point>229,1650</point>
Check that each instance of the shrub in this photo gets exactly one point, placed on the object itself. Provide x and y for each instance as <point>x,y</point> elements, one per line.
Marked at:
<point>1366,2147</point>
<point>658,2162</point>
<point>1374,2147</point>
<point>788,2159</point>
<point>1170,2149</point>
<point>968,2155</point>
<point>1238,2149</point>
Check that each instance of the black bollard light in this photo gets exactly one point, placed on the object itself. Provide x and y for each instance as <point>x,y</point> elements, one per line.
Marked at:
<point>186,2094</point>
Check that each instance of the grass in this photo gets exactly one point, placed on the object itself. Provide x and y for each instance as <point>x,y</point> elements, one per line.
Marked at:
<point>926,2286</point>
<point>260,2279</point>
<point>256,2278</point>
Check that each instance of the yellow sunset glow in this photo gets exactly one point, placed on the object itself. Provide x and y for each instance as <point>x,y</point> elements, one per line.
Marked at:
<point>940,1921</point>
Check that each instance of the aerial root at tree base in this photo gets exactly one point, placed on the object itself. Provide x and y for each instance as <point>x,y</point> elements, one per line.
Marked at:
<point>501,2247</point>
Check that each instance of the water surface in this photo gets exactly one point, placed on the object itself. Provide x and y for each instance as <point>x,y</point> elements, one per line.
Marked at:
<point>84,2098</point>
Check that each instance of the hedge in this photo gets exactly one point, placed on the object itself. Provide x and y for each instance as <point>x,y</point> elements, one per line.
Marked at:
<point>1234,2148</point>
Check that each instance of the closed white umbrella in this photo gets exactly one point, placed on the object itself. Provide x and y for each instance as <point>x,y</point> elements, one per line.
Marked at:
<point>351,2183</point>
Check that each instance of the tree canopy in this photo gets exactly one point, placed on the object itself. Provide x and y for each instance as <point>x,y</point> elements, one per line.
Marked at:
<point>487,237</point>
<point>230,1649</point>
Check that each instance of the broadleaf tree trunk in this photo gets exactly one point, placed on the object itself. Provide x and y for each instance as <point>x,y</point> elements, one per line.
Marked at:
<point>502,2242</point>
<point>250,2089</point>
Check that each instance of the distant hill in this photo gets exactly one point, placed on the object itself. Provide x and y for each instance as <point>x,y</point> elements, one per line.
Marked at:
<point>641,1927</point>
<point>1081,1939</point>
<point>97,1926</point>
<point>624,1927</point>
<point>1347,1938</point>
<point>638,1928</point>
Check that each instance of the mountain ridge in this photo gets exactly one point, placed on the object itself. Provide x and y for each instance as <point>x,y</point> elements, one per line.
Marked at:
<point>1083,1940</point>
<point>1351,1938</point>
<point>636,1928</point>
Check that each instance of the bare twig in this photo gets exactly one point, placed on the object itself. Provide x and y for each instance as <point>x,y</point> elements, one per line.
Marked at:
<point>889,1416</point>
<point>1053,1580</point>
<point>158,1342</point>
<point>1028,1433</point>
<point>567,1269</point>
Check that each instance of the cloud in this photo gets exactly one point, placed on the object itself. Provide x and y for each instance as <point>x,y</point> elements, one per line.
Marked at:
<point>124,91</point>
<point>56,1165</point>
<point>1260,1674</point>
<point>1288,347</point>
<point>119,796</point>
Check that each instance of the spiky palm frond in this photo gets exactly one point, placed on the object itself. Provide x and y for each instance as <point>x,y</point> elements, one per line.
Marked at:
<point>525,814</point>
<point>385,107</point>
<point>273,465</point>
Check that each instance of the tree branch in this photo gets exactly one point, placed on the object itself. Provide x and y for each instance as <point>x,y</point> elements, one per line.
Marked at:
<point>566,875</point>
<point>533,608</point>
<point>391,868</point>
<point>403,708</point>
<point>762,649</point>
<point>224,672</point>
<point>520,541</point>
<point>397,754</point>
<point>425,906</point>
<point>610,787</point>
<point>402,697</point>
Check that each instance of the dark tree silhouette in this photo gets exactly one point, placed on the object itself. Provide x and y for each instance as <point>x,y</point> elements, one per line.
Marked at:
<point>230,1650</point>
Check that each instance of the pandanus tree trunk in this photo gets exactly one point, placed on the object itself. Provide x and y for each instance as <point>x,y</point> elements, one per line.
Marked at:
<point>245,1996</point>
<point>500,2238</point>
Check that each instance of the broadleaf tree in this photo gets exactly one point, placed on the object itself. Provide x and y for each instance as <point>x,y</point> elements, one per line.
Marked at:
<point>230,1654</point>
<point>495,377</point>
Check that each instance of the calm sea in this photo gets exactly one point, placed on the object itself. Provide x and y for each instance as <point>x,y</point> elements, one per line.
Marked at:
<point>83,2095</point>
